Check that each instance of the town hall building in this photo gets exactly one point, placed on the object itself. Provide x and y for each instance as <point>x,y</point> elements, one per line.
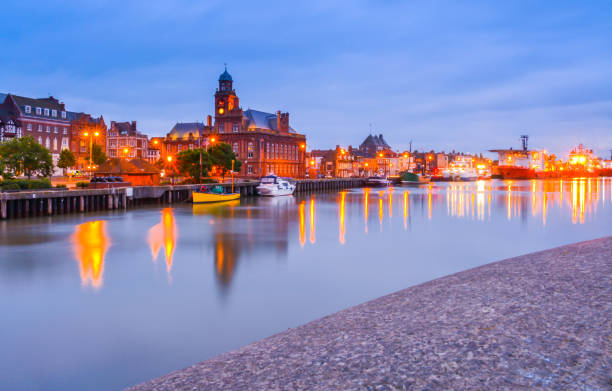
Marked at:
<point>264,142</point>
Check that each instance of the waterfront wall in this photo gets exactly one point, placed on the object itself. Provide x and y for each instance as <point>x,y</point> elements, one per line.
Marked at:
<point>540,321</point>
<point>54,202</point>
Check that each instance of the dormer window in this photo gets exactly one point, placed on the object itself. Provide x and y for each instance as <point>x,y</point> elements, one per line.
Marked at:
<point>38,111</point>
<point>54,113</point>
<point>63,114</point>
<point>28,109</point>
<point>46,112</point>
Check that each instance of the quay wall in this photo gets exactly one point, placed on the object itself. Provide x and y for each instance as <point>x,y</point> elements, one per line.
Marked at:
<point>539,321</point>
<point>51,202</point>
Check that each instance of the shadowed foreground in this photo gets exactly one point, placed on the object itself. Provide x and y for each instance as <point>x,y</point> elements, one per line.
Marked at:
<point>541,320</point>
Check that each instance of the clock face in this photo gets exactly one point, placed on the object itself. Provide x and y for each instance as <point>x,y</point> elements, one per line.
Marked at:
<point>221,110</point>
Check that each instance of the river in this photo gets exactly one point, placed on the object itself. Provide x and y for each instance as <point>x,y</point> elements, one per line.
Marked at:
<point>107,300</point>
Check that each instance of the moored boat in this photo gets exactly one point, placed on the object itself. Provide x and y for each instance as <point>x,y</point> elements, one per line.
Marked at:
<point>213,194</point>
<point>412,179</point>
<point>273,185</point>
<point>377,181</point>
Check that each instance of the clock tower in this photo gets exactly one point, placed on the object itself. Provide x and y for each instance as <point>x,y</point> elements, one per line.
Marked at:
<point>228,114</point>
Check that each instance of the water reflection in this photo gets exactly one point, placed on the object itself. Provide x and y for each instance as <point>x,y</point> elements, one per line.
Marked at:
<point>342,213</point>
<point>90,243</point>
<point>164,235</point>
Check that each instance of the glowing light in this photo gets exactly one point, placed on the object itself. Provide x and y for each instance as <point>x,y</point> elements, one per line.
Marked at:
<point>169,158</point>
<point>221,110</point>
<point>366,164</point>
<point>86,134</point>
<point>125,150</point>
<point>342,212</point>
<point>96,134</point>
<point>312,162</point>
<point>155,142</point>
<point>163,234</point>
<point>342,151</point>
<point>303,146</point>
<point>380,155</point>
<point>212,140</point>
<point>302,223</point>
<point>312,220</point>
<point>90,243</point>
<point>366,195</point>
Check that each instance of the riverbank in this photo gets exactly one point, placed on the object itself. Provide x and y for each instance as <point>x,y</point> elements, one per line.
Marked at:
<point>540,320</point>
<point>49,202</point>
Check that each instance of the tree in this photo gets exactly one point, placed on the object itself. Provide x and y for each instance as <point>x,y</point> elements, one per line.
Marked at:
<point>188,164</point>
<point>25,156</point>
<point>221,155</point>
<point>66,159</point>
<point>98,156</point>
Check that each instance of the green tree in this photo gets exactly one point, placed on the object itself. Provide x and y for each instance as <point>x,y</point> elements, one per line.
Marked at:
<point>188,164</point>
<point>66,159</point>
<point>98,155</point>
<point>25,156</point>
<point>221,155</point>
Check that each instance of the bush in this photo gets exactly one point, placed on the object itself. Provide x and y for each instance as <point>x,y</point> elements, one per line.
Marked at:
<point>61,186</point>
<point>10,186</point>
<point>24,184</point>
<point>82,184</point>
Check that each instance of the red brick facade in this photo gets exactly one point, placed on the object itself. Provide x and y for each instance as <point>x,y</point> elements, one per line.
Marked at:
<point>264,142</point>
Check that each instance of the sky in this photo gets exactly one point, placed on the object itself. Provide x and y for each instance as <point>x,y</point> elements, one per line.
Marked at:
<point>447,75</point>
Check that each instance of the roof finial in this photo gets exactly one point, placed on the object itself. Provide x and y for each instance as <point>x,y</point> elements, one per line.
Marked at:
<point>225,64</point>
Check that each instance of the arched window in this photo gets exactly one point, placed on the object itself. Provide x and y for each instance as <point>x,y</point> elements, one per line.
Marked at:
<point>55,144</point>
<point>40,140</point>
<point>47,143</point>
<point>235,148</point>
<point>250,150</point>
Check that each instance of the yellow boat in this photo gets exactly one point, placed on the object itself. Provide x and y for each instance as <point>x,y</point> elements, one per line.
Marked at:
<point>213,194</point>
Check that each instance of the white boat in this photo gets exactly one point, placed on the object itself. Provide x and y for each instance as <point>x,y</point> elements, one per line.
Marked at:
<point>461,170</point>
<point>377,181</point>
<point>273,185</point>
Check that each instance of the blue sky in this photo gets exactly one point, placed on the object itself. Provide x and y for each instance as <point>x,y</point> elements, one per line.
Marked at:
<point>468,76</point>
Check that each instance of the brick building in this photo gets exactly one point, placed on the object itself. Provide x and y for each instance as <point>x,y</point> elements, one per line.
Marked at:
<point>85,131</point>
<point>264,142</point>
<point>44,119</point>
<point>124,141</point>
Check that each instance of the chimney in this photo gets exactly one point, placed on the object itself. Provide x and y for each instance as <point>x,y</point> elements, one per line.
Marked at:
<point>134,125</point>
<point>209,121</point>
<point>278,120</point>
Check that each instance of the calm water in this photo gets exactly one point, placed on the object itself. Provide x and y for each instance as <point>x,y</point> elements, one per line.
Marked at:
<point>109,300</point>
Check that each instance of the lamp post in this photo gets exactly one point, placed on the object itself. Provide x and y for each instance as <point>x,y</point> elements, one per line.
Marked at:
<point>91,136</point>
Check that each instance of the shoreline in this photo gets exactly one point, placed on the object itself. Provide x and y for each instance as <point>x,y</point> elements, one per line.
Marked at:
<point>534,321</point>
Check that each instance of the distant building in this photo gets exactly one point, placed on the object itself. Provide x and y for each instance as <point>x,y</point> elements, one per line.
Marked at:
<point>373,145</point>
<point>337,163</point>
<point>85,131</point>
<point>44,119</point>
<point>264,142</point>
<point>125,141</point>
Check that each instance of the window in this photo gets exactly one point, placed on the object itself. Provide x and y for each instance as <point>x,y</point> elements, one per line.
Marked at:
<point>235,128</point>
<point>29,127</point>
<point>190,146</point>
<point>55,129</point>
<point>83,146</point>
<point>112,143</point>
<point>28,109</point>
<point>38,111</point>
<point>250,150</point>
<point>113,153</point>
<point>250,169</point>
<point>235,148</point>
<point>54,113</point>
<point>46,112</point>
<point>63,114</point>
<point>48,128</point>
<point>40,140</point>
<point>47,143</point>
<point>55,144</point>
<point>220,128</point>
<point>132,143</point>
<point>65,131</point>
<point>268,152</point>
<point>40,128</point>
